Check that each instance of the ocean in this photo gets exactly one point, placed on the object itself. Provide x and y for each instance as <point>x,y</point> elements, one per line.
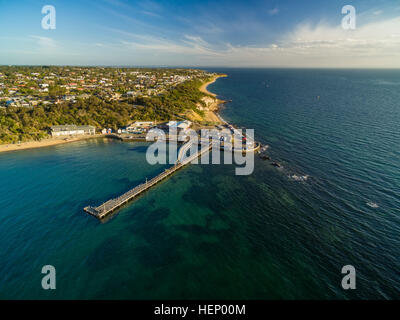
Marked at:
<point>205,233</point>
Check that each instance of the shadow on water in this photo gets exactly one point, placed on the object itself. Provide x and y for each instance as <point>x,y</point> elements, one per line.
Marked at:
<point>129,183</point>
<point>107,251</point>
<point>139,149</point>
<point>156,235</point>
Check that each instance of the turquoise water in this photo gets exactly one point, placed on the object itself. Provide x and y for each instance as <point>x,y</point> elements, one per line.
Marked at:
<point>206,233</point>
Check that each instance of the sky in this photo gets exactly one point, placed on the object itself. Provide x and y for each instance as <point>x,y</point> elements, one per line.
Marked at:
<point>220,33</point>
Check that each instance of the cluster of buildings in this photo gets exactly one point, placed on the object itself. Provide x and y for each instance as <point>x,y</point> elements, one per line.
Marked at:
<point>33,101</point>
<point>29,87</point>
<point>137,127</point>
<point>178,125</point>
<point>142,127</point>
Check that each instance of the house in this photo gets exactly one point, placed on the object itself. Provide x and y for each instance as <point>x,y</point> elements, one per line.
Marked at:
<point>84,96</point>
<point>184,125</point>
<point>143,124</point>
<point>73,130</point>
<point>139,126</point>
<point>69,98</point>
<point>131,93</point>
<point>172,124</point>
<point>34,102</point>
<point>106,131</point>
<point>179,125</point>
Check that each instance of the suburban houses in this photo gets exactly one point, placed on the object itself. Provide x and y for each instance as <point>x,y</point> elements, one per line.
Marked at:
<point>58,84</point>
<point>38,101</point>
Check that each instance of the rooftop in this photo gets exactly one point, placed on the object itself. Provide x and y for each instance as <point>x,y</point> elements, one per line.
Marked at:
<point>70,127</point>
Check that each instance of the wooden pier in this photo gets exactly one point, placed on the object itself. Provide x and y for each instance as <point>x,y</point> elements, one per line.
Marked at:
<point>106,208</point>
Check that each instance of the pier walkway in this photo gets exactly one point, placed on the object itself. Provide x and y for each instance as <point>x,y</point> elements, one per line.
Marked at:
<point>113,204</point>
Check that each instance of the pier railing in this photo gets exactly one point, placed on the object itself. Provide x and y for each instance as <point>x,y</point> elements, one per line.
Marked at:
<point>113,204</point>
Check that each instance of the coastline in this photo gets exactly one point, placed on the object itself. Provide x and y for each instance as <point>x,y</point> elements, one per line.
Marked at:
<point>212,113</point>
<point>211,116</point>
<point>204,86</point>
<point>44,143</point>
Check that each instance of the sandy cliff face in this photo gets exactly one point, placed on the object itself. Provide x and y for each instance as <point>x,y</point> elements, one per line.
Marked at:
<point>209,101</point>
<point>210,104</point>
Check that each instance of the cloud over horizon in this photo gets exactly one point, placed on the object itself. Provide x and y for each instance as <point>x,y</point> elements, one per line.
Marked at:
<point>320,45</point>
<point>239,35</point>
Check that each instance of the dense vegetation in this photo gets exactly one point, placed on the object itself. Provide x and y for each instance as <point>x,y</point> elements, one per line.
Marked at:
<point>25,124</point>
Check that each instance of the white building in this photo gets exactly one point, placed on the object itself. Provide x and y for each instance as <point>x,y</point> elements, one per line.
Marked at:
<point>143,124</point>
<point>184,125</point>
<point>139,126</point>
<point>180,126</point>
<point>71,130</point>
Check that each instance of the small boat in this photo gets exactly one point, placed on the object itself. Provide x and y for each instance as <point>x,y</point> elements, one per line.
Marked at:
<point>276,164</point>
<point>372,205</point>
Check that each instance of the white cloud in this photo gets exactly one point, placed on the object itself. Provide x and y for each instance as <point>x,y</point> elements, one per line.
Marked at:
<point>376,44</point>
<point>373,45</point>
<point>151,14</point>
<point>273,11</point>
<point>45,42</point>
<point>190,45</point>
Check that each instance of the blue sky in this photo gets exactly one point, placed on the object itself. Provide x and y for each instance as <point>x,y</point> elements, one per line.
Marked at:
<point>255,33</point>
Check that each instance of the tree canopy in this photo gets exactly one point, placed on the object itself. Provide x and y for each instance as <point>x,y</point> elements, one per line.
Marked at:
<point>25,124</point>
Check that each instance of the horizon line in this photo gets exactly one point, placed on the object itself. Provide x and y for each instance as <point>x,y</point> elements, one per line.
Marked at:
<point>196,67</point>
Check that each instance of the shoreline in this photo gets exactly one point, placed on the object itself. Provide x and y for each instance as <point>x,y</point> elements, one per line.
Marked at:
<point>212,116</point>
<point>45,143</point>
<point>212,113</point>
<point>204,86</point>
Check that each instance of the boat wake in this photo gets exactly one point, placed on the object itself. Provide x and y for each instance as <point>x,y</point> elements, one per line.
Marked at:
<point>372,205</point>
<point>295,177</point>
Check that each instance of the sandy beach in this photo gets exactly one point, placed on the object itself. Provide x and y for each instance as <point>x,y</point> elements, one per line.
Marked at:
<point>44,143</point>
<point>203,88</point>
<point>211,113</point>
<point>210,116</point>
